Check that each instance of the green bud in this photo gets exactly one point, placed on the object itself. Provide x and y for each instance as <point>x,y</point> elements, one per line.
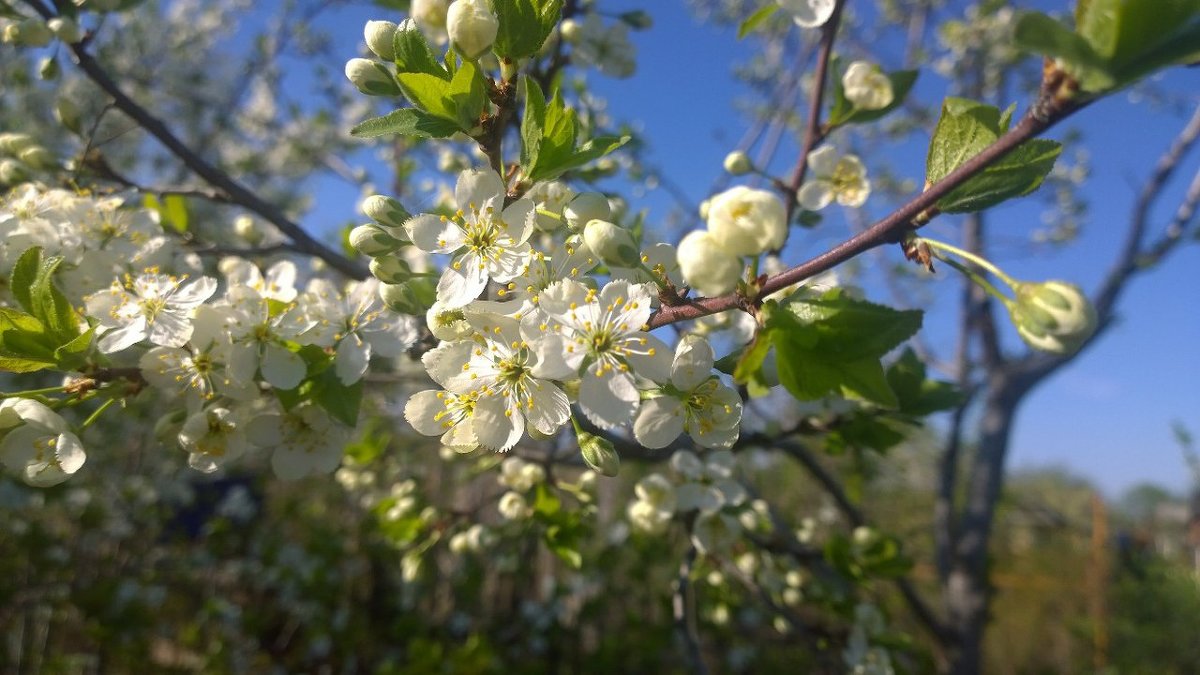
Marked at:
<point>371,78</point>
<point>37,157</point>
<point>48,69</point>
<point>737,163</point>
<point>1052,316</point>
<point>12,143</point>
<point>12,172</point>
<point>371,240</point>
<point>414,296</point>
<point>386,211</point>
<point>391,269</point>
<point>166,429</point>
<point>611,243</point>
<point>637,20</point>
<point>67,114</point>
<point>599,454</point>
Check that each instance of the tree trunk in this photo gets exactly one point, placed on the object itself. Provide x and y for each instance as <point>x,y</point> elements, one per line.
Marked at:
<point>966,591</point>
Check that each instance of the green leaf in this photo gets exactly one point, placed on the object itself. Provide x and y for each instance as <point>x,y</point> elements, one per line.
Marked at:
<point>467,95</point>
<point>588,152</point>
<point>832,344</point>
<point>963,131</point>
<point>73,354</point>
<point>545,502</point>
<point>341,401</point>
<point>406,122</point>
<point>1035,32</point>
<point>749,367</point>
<point>24,345</point>
<point>532,124</point>
<point>172,211</point>
<point>524,26</point>
<point>32,284</point>
<point>756,19</point>
<point>413,53</point>
<point>1018,173</point>
<point>844,112</point>
<point>20,280</point>
<point>919,396</point>
<point>428,93</point>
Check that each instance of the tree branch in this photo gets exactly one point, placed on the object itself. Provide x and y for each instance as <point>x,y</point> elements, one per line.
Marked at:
<point>1043,115</point>
<point>214,176</point>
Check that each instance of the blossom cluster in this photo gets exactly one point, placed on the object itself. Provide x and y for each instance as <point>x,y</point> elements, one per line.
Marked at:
<point>521,324</point>
<point>225,346</point>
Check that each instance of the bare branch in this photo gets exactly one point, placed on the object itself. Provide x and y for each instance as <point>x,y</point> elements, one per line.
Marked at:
<point>214,176</point>
<point>682,607</point>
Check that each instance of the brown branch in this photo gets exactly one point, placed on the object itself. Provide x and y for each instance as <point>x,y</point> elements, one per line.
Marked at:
<point>1039,118</point>
<point>214,176</point>
<point>814,133</point>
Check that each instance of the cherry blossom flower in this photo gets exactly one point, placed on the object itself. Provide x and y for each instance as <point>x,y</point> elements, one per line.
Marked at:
<point>694,401</point>
<point>490,240</point>
<point>842,178</point>
<point>38,443</point>
<point>153,306</point>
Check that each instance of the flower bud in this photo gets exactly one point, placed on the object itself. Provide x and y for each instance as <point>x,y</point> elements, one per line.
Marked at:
<point>472,27</point>
<point>866,87</point>
<point>430,15</point>
<point>372,240</point>
<point>371,78</point>
<point>12,143</point>
<point>637,20</point>
<point>1053,316</point>
<point>28,33</point>
<point>67,114</point>
<point>512,506</point>
<point>379,36</point>
<point>386,211</point>
<point>414,296</point>
<point>65,29</point>
<point>737,163</point>
<point>570,30</point>
<point>12,172</point>
<point>586,207</point>
<point>245,227</point>
<point>706,266</point>
<point>37,157</point>
<point>611,243</point>
<point>745,221</point>
<point>391,269</point>
<point>599,454</point>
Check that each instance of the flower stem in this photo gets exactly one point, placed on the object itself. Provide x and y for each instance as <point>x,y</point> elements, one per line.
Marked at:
<point>29,393</point>
<point>550,214</point>
<point>978,260</point>
<point>96,415</point>
<point>978,280</point>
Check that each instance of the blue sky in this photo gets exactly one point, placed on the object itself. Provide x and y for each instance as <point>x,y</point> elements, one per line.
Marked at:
<point>1107,416</point>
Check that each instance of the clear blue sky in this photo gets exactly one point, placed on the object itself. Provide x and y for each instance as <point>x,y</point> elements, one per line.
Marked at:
<point>1106,417</point>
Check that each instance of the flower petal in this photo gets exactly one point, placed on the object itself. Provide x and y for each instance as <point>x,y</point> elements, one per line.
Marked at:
<point>498,424</point>
<point>659,421</point>
<point>434,234</point>
<point>608,400</point>
<point>281,368</point>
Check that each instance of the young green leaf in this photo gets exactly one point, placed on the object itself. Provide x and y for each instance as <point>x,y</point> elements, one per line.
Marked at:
<point>756,19</point>
<point>524,26</point>
<point>1018,173</point>
<point>413,54</point>
<point>406,122</point>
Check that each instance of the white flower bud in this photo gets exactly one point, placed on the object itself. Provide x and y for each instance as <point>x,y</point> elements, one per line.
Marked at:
<point>738,163</point>
<point>372,240</point>
<point>379,36</point>
<point>512,506</point>
<point>12,172</point>
<point>745,221</point>
<point>472,27</point>
<point>12,143</point>
<point>386,211</point>
<point>430,15</point>
<point>390,269</point>
<point>65,29</point>
<point>866,87</point>
<point>599,454</point>
<point>706,266</point>
<point>808,13</point>
<point>1053,316</point>
<point>247,229</point>
<point>570,30</point>
<point>611,243</point>
<point>31,32</point>
<point>371,78</point>
<point>586,207</point>
<point>37,157</point>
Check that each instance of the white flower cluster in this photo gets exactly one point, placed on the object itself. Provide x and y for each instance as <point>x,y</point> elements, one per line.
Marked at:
<point>706,487</point>
<point>742,222</point>
<point>509,356</point>
<point>222,347</point>
<point>605,48</point>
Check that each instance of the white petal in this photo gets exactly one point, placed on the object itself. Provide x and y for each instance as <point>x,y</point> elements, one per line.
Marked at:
<point>124,337</point>
<point>458,287</point>
<point>550,409</point>
<point>653,358</point>
<point>608,400</point>
<point>351,360</point>
<point>446,361</point>
<point>815,194</point>
<point>282,368</point>
<point>519,217</point>
<point>554,361</point>
<point>477,187</point>
<point>170,329</point>
<point>659,421</point>
<point>497,423</point>
<point>693,363</point>
<point>434,234</point>
<point>698,496</point>
<point>193,293</point>
<point>424,412</point>
<point>69,452</point>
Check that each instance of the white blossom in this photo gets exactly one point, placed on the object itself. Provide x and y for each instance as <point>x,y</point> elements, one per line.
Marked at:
<point>843,178</point>
<point>37,442</point>
<point>866,86</point>
<point>694,401</point>
<point>153,306</point>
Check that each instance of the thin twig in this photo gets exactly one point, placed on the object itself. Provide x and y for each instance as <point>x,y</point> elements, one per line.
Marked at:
<point>681,607</point>
<point>214,176</point>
